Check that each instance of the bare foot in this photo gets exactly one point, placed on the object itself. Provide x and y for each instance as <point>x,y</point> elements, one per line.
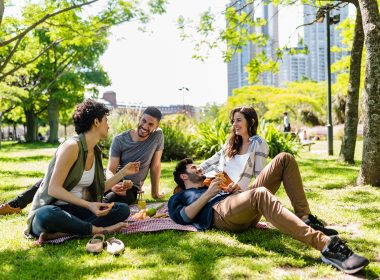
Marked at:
<point>45,236</point>
<point>114,228</point>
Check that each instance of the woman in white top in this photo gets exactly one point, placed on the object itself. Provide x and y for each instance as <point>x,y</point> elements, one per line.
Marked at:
<point>245,153</point>
<point>69,198</point>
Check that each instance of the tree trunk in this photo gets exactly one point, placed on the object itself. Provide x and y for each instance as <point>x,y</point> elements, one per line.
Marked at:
<point>53,115</point>
<point>370,168</point>
<point>15,132</point>
<point>1,10</point>
<point>31,126</point>
<point>347,150</point>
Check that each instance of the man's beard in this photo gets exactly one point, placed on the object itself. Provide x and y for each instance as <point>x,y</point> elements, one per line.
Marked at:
<point>139,129</point>
<point>195,178</point>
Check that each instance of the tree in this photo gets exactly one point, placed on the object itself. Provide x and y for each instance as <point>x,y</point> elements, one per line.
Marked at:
<point>299,98</point>
<point>15,36</point>
<point>236,35</point>
<point>347,151</point>
<point>370,167</point>
<point>71,45</point>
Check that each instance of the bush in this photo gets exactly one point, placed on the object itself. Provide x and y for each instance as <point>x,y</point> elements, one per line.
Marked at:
<point>278,142</point>
<point>120,120</point>
<point>211,137</point>
<point>178,138</point>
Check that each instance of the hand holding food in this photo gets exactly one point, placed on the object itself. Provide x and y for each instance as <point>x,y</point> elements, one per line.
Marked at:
<point>127,184</point>
<point>226,181</point>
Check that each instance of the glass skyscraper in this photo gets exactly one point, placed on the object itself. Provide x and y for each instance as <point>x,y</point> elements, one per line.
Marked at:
<point>237,76</point>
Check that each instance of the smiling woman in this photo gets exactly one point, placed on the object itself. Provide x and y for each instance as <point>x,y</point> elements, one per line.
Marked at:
<point>244,154</point>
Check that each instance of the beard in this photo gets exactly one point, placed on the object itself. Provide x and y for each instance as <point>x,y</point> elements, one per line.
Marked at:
<point>143,133</point>
<point>196,178</point>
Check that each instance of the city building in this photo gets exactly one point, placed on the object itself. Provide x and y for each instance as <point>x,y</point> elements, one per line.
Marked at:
<point>109,99</point>
<point>293,67</point>
<point>237,76</point>
<point>315,38</point>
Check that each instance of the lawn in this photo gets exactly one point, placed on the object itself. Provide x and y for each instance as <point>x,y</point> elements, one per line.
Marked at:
<point>255,254</point>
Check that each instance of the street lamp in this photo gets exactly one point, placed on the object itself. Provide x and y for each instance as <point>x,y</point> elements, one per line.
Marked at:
<point>183,90</point>
<point>321,14</point>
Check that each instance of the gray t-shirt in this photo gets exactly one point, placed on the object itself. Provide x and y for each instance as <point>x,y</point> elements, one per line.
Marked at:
<point>128,150</point>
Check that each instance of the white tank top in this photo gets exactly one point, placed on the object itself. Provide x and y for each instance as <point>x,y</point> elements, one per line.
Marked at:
<point>235,166</point>
<point>83,184</point>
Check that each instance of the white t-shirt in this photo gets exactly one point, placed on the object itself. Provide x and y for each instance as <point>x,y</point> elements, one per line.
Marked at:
<point>84,183</point>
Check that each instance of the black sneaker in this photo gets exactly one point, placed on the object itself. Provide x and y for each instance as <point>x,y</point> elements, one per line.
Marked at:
<point>314,223</point>
<point>339,255</point>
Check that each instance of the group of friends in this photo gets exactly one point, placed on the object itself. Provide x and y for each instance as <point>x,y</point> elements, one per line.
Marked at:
<point>75,193</point>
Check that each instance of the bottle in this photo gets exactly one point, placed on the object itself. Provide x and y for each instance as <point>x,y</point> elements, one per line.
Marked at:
<point>140,200</point>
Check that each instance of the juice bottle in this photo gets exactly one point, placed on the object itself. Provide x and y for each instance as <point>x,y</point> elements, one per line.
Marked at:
<point>141,201</point>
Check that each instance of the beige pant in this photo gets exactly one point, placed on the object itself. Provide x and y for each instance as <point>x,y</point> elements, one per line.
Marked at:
<point>243,210</point>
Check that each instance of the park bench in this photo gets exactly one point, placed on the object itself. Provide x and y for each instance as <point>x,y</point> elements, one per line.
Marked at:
<point>307,143</point>
<point>304,143</point>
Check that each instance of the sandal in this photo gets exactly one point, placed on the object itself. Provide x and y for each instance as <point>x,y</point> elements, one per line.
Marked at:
<point>96,243</point>
<point>114,246</point>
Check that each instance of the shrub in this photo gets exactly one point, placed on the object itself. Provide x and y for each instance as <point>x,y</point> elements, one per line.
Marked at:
<point>210,137</point>
<point>178,138</point>
<point>278,142</point>
<point>120,120</point>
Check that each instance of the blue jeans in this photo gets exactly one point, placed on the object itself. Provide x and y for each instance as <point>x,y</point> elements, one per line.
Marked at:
<point>74,219</point>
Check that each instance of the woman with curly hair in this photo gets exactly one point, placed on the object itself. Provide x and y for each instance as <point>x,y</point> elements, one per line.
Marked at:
<point>68,200</point>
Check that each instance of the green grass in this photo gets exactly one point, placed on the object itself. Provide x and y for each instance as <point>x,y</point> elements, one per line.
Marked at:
<point>254,254</point>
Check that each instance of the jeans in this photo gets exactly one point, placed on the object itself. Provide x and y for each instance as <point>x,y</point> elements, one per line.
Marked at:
<point>129,198</point>
<point>26,197</point>
<point>74,219</point>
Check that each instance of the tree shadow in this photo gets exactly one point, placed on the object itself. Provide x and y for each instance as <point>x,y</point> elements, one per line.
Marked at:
<point>315,169</point>
<point>8,173</point>
<point>169,253</point>
<point>25,159</point>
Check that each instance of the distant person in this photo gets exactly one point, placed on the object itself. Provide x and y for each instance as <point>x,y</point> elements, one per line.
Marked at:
<point>68,200</point>
<point>211,207</point>
<point>244,154</point>
<point>303,135</point>
<point>40,137</point>
<point>144,144</point>
<point>286,122</point>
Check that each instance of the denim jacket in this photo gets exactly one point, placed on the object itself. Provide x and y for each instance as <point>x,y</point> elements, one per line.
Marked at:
<point>178,202</point>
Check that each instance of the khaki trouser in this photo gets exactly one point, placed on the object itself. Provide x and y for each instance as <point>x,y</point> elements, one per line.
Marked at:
<point>243,210</point>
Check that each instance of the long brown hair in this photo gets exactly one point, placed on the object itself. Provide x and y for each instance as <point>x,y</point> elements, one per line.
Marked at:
<point>235,142</point>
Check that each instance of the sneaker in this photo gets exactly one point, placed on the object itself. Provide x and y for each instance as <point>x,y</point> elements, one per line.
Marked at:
<point>314,223</point>
<point>339,255</point>
<point>6,209</point>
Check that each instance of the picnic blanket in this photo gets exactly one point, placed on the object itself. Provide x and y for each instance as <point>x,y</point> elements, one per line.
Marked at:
<point>150,224</point>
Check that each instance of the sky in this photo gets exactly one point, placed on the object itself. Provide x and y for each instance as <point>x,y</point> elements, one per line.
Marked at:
<point>149,68</point>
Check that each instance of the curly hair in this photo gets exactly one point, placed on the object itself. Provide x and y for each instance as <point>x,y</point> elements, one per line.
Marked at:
<point>181,169</point>
<point>85,114</point>
<point>235,142</point>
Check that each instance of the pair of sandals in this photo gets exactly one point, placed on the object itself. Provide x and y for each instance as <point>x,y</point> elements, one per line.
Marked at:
<point>113,246</point>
